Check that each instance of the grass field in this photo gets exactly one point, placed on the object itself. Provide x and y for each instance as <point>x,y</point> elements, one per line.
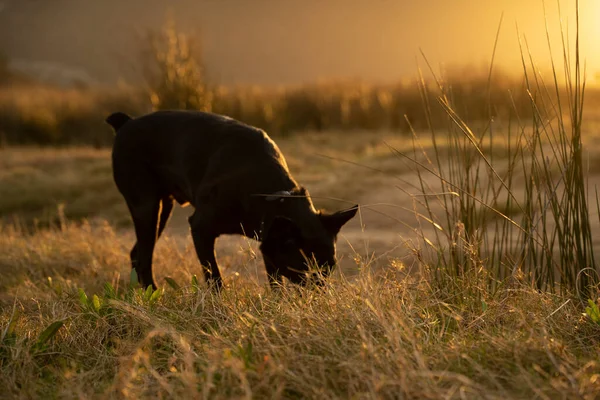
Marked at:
<point>471,270</point>
<point>387,335</point>
<point>385,326</point>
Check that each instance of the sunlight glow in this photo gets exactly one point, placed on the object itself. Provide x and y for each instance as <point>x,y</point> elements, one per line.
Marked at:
<point>593,51</point>
<point>590,39</point>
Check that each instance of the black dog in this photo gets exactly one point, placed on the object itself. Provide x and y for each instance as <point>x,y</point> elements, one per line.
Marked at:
<point>238,182</point>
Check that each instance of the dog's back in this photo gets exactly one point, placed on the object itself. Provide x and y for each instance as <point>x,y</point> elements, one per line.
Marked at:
<point>165,130</point>
<point>189,153</point>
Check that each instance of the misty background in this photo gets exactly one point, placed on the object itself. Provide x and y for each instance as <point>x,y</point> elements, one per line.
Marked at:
<point>286,42</point>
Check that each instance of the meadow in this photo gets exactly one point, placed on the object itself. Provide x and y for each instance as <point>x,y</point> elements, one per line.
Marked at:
<point>392,322</point>
<point>471,271</point>
<point>73,329</point>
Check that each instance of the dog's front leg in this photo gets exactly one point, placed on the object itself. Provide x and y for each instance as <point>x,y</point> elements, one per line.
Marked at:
<point>204,242</point>
<point>205,248</point>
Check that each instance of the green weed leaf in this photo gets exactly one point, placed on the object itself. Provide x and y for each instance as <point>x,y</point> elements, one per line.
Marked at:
<point>156,295</point>
<point>83,299</point>
<point>172,283</point>
<point>109,291</point>
<point>593,311</point>
<point>133,278</point>
<point>195,285</point>
<point>148,293</point>
<point>46,335</point>
<point>96,303</point>
<point>9,331</point>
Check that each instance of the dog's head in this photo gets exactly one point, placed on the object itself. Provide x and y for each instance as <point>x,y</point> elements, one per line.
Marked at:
<point>303,255</point>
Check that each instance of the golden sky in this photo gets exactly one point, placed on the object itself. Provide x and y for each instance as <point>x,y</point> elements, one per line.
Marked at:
<point>294,41</point>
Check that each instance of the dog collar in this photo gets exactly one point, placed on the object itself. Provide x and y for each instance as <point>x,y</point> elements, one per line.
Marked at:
<point>280,195</point>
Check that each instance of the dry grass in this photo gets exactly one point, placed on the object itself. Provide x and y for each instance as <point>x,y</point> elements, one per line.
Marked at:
<point>38,183</point>
<point>41,115</point>
<point>376,336</point>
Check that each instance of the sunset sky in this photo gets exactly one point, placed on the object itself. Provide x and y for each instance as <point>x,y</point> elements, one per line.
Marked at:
<point>293,41</point>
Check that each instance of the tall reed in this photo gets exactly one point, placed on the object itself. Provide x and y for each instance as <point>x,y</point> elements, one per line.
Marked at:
<point>513,192</point>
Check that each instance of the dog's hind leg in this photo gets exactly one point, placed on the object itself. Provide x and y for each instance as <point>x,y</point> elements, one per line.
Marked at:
<point>165,212</point>
<point>146,222</point>
<point>204,242</point>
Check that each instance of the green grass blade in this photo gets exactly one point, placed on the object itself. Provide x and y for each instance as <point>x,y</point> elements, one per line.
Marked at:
<point>48,334</point>
<point>172,283</point>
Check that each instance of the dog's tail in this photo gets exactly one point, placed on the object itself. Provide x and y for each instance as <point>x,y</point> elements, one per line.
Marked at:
<point>117,120</point>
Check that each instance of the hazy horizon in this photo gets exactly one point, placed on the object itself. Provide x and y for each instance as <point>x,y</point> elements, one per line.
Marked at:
<point>270,43</point>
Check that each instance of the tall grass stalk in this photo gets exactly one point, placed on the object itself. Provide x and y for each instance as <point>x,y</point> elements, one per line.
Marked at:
<point>491,229</point>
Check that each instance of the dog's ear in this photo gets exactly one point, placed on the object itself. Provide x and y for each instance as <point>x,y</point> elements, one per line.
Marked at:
<point>283,231</point>
<point>334,222</point>
<point>303,192</point>
<point>117,120</point>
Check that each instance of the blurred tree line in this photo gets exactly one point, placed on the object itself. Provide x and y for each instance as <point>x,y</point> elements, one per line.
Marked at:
<point>174,76</point>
